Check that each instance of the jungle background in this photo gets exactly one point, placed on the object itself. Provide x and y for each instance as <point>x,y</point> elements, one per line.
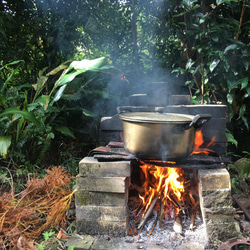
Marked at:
<point>64,64</point>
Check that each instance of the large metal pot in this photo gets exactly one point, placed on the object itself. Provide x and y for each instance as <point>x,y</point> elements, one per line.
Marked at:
<point>160,135</point>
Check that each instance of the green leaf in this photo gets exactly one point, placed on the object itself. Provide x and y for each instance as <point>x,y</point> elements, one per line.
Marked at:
<point>230,138</point>
<point>5,142</point>
<point>88,113</point>
<point>68,78</point>
<point>41,246</point>
<point>19,128</point>
<point>44,101</point>
<point>59,93</point>
<point>47,235</point>
<point>218,2</point>
<point>244,119</point>
<point>242,111</point>
<point>189,63</point>
<point>11,63</point>
<point>213,65</point>
<point>26,115</point>
<point>85,65</point>
<point>57,69</point>
<point>230,98</point>
<point>230,47</point>
<point>244,82</point>
<point>231,84</point>
<point>65,131</point>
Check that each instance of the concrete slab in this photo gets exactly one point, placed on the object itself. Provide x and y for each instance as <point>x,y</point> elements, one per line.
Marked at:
<point>87,242</point>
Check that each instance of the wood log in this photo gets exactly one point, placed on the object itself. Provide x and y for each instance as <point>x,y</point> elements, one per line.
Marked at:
<point>178,224</point>
<point>191,226</point>
<point>161,212</point>
<point>148,212</point>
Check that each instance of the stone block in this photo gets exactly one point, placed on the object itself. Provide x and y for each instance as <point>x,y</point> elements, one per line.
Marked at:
<point>216,123</point>
<point>84,197</point>
<point>219,135</point>
<point>221,230</point>
<point>90,167</point>
<point>214,179</point>
<point>216,111</point>
<point>138,100</point>
<point>103,184</point>
<point>102,213</point>
<point>106,136</point>
<point>217,198</point>
<point>111,123</point>
<point>118,229</point>
<point>216,203</point>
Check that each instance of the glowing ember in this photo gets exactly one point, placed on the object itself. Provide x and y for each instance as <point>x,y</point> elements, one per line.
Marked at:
<point>198,142</point>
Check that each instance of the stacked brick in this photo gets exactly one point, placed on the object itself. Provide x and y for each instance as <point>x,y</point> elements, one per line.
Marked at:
<point>101,197</point>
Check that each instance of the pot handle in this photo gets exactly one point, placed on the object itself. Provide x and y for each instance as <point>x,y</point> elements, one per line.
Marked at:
<point>159,109</point>
<point>199,120</point>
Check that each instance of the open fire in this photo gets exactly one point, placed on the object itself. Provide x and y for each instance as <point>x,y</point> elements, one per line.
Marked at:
<point>169,191</point>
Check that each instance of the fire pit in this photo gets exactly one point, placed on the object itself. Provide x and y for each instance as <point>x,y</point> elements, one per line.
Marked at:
<point>118,193</point>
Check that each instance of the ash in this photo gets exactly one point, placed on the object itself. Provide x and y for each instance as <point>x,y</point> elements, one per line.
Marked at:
<point>167,238</point>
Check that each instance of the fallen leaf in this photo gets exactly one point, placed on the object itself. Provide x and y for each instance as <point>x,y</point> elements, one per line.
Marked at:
<point>61,235</point>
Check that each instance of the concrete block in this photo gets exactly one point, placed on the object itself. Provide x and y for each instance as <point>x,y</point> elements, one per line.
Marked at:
<point>138,100</point>
<point>84,197</point>
<point>214,179</point>
<point>106,136</point>
<point>118,229</point>
<point>216,203</point>
<point>111,123</point>
<point>90,167</point>
<point>102,213</point>
<point>103,184</point>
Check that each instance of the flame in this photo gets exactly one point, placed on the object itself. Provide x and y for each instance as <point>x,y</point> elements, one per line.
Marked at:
<point>161,182</point>
<point>198,142</point>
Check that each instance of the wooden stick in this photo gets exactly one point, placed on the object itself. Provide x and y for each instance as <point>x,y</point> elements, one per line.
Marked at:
<point>148,212</point>
<point>163,205</point>
<point>139,234</point>
<point>178,224</point>
<point>191,226</point>
<point>153,226</point>
<point>161,212</point>
<point>241,206</point>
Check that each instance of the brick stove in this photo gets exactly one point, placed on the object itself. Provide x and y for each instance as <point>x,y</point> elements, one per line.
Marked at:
<point>105,176</point>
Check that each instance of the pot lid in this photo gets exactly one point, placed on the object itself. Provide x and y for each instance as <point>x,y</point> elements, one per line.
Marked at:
<point>154,117</point>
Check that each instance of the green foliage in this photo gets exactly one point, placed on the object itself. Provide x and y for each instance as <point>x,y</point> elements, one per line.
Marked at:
<point>214,46</point>
<point>230,138</point>
<point>33,115</point>
<point>238,182</point>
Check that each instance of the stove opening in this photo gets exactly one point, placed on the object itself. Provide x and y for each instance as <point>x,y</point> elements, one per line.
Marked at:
<point>162,196</point>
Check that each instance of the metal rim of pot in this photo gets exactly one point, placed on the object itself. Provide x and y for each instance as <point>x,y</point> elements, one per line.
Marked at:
<point>163,118</point>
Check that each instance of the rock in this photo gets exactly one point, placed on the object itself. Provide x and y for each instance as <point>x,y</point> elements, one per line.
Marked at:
<point>243,165</point>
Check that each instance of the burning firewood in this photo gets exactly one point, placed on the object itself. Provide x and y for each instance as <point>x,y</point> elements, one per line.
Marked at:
<point>178,223</point>
<point>148,212</point>
<point>175,197</point>
<point>161,212</point>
